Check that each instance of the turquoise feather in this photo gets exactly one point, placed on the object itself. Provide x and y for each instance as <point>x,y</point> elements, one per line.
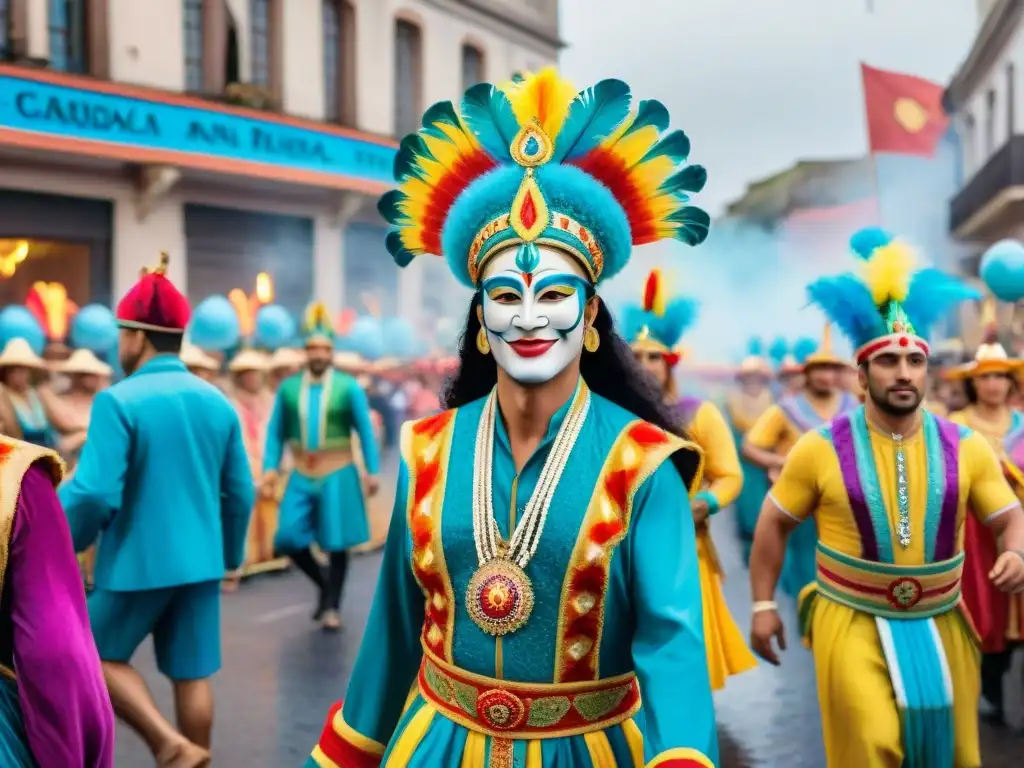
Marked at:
<point>650,113</point>
<point>488,115</point>
<point>755,347</point>
<point>594,114</point>
<point>675,146</point>
<point>864,242</point>
<point>402,255</point>
<point>694,224</point>
<point>803,348</point>
<point>410,150</point>
<point>848,303</point>
<point>931,295</point>
<point>691,179</point>
<point>390,207</point>
<point>442,112</point>
<point>517,77</point>
<point>778,350</point>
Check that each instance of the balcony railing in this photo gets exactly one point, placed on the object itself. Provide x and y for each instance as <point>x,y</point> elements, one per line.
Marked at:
<point>1003,170</point>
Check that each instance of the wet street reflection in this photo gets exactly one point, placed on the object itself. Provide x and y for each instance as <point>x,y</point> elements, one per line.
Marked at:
<point>281,674</point>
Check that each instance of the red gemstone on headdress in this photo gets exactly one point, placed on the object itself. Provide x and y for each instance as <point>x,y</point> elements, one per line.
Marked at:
<point>528,211</point>
<point>584,235</point>
<point>904,341</point>
<point>563,222</point>
<point>528,278</point>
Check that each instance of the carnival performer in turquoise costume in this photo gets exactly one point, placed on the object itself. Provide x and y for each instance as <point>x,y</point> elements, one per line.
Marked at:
<point>163,476</point>
<point>315,414</point>
<point>541,567</point>
<point>744,404</point>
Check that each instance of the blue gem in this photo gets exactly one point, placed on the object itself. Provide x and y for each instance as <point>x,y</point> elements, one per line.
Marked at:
<point>532,146</point>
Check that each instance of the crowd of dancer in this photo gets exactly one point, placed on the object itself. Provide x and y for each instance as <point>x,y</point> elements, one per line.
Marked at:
<point>549,591</point>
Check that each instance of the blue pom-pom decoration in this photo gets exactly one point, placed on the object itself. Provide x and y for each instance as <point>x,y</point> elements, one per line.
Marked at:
<point>214,325</point>
<point>865,241</point>
<point>1002,270</point>
<point>16,322</point>
<point>367,338</point>
<point>94,328</point>
<point>400,339</point>
<point>275,327</point>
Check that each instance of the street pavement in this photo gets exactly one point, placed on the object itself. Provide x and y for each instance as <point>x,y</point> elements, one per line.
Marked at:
<point>281,674</point>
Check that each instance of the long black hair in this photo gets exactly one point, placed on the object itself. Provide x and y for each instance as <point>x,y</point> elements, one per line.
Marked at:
<point>611,372</point>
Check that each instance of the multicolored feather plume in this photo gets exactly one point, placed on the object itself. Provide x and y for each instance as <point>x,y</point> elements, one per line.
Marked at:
<point>52,309</point>
<point>316,321</point>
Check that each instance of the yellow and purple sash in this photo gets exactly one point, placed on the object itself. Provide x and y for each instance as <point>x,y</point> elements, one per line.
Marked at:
<point>903,599</point>
<point>801,414</point>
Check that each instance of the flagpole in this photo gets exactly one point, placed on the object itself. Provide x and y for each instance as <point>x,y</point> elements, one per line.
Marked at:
<point>876,188</point>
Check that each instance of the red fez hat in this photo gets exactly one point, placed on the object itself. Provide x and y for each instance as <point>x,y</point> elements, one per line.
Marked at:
<point>154,304</point>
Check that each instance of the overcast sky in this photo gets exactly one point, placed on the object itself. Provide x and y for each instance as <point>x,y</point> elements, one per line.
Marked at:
<point>758,84</point>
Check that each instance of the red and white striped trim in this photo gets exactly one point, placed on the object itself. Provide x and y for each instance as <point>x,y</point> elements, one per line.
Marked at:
<point>894,342</point>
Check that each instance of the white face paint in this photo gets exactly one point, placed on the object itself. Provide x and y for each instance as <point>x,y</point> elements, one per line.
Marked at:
<point>533,305</point>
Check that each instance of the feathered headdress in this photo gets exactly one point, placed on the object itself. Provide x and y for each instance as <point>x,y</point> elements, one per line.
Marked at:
<point>755,363</point>
<point>154,304</point>
<point>317,325</point>
<point>991,356</point>
<point>50,305</point>
<point>890,307</point>
<point>534,162</point>
<point>778,350</point>
<point>658,323</point>
<point>803,348</point>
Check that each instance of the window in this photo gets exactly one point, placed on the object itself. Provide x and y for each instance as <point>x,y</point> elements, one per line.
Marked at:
<point>990,123</point>
<point>5,29</point>
<point>970,146</point>
<point>332,60</point>
<point>67,35</point>
<point>407,77</point>
<point>1011,100</point>
<point>259,25</point>
<point>195,41</point>
<point>472,66</point>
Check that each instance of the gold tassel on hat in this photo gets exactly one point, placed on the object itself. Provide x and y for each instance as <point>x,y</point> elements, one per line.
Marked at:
<point>160,268</point>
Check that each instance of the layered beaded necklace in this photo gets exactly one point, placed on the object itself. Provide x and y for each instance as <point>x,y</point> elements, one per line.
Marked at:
<point>500,597</point>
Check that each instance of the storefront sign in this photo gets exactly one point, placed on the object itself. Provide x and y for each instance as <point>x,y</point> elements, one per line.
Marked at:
<point>59,111</point>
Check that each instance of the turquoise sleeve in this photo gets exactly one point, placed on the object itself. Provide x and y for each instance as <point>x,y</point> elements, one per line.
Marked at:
<point>95,491</point>
<point>238,496</point>
<point>708,498</point>
<point>274,446</point>
<point>364,428</point>
<point>389,657</point>
<point>668,644</point>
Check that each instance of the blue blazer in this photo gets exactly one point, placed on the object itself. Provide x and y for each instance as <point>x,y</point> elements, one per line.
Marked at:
<point>163,480</point>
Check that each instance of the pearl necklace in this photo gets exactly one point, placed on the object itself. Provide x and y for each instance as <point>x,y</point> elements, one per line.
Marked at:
<point>500,596</point>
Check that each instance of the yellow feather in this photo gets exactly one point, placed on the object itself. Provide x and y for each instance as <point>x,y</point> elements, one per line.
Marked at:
<point>544,97</point>
<point>652,174</point>
<point>54,297</point>
<point>444,152</point>
<point>632,148</point>
<point>887,272</point>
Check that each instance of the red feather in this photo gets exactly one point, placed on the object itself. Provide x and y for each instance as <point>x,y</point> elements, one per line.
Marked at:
<point>650,291</point>
<point>34,304</point>
<point>608,169</point>
<point>443,195</point>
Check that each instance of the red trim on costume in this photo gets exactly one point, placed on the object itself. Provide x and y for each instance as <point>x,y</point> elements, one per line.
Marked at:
<point>340,751</point>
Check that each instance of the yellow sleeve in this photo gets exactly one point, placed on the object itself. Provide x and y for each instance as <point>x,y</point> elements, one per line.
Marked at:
<point>989,493</point>
<point>768,430</point>
<point>722,468</point>
<point>797,490</point>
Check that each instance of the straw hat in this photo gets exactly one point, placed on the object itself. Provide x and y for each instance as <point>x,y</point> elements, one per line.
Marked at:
<point>85,363</point>
<point>18,353</point>
<point>193,357</point>
<point>349,361</point>
<point>990,356</point>
<point>287,357</point>
<point>823,355</point>
<point>248,360</point>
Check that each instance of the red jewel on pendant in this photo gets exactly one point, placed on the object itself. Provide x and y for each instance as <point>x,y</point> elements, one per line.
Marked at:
<point>528,211</point>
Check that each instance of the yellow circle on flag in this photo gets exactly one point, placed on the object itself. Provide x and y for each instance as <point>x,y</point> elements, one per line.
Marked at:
<point>910,115</point>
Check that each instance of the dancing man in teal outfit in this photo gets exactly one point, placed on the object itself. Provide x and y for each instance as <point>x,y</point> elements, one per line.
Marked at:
<point>314,415</point>
<point>540,570</point>
<point>163,476</point>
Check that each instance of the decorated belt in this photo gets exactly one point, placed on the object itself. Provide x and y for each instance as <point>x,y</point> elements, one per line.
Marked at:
<point>511,710</point>
<point>321,463</point>
<point>890,591</point>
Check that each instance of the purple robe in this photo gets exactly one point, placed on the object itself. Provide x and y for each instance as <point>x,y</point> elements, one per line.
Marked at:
<point>67,713</point>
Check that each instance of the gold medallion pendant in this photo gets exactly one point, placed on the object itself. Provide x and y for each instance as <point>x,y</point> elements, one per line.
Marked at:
<point>499,597</point>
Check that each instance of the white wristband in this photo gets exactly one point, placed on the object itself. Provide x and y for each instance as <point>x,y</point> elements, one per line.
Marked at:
<point>761,606</point>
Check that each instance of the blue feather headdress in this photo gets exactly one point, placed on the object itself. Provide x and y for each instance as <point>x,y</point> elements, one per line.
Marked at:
<point>803,348</point>
<point>778,350</point>
<point>890,307</point>
<point>755,363</point>
<point>534,162</point>
<point>658,323</point>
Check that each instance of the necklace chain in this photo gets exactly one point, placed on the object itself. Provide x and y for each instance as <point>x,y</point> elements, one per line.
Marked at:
<point>902,493</point>
<point>525,538</point>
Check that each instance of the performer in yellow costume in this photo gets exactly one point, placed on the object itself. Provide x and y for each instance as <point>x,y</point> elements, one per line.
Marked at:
<point>775,433</point>
<point>989,381</point>
<point>889,485</point>
<point>654,328</point>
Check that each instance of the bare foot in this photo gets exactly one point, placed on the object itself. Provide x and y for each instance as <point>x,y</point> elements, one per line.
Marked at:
<point>229,585</point>
<point>183,754</point>
<point>331,621</point>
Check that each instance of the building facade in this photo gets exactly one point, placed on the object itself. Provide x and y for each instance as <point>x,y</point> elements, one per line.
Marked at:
<point>239,136</point>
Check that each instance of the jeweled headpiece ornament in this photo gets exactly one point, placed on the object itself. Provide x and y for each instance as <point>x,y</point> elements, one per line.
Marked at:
<point>890,306</point>
<point>533,162</point>
<point>317,326</point>
<point>657,323</point>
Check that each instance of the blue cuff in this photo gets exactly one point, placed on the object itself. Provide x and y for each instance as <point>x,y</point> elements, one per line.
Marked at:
<point>709,498</point>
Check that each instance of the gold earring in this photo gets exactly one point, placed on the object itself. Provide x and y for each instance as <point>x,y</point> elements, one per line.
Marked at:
<point>591,339</point>
<point>482,345</point>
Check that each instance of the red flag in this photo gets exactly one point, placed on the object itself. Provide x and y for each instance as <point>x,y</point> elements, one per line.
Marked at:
<point>905,113</point>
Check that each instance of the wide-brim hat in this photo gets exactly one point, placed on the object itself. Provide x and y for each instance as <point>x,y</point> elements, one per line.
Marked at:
<point>990,358</point>
<point>825,358</point>
<point>84,363</point>
<point>754,365</point>
<point>349,362</point>
<point>248,360</point>
<point>286,357</point>
<point>17,353</point>
<point>193,357</point>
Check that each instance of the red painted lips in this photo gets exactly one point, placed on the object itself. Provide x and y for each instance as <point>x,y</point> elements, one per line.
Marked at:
<point>531,347</point>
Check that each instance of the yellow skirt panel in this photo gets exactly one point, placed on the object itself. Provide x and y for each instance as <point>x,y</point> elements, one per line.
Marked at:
<point>860,721</point>
<point>727,649</point>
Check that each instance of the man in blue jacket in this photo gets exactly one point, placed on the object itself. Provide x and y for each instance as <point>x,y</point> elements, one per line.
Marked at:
<point>165,484</point>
